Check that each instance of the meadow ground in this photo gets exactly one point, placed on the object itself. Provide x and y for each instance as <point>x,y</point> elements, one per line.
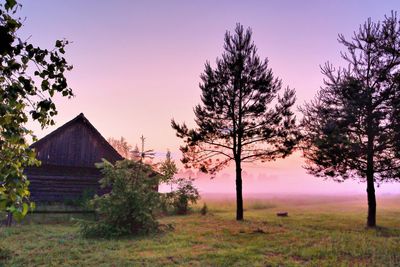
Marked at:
<point>320,231</point>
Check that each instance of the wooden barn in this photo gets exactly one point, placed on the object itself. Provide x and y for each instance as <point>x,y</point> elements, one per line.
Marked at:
<point>68,157</point>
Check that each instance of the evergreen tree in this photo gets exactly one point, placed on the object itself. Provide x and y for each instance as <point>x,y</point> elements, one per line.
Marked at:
<point>241,118</point>
<point>352,128</point>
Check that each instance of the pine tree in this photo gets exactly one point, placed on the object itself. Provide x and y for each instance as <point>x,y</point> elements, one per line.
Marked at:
<point>241,118</point>
<point>352,128</point>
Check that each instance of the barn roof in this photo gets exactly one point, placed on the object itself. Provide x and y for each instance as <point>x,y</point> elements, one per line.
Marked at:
<point>76,143</point>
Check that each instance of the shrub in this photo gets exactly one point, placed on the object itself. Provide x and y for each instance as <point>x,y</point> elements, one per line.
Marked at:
<point>165,207</point>
<point>128,208</point>
<point>204,209</point>
<point>185,194</point>
<point>83,201</point>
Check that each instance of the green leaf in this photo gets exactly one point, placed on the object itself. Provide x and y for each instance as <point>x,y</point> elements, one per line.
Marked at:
<point>24,60</point>
<point>17,215</point>
<point>3,205</point>
<point>16,57</point>
<point>45,85</point>
<point>25,209</point>
<point>10,4</point>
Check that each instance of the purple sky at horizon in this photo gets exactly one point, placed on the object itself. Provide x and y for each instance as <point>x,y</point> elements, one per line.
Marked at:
<point>137,65</point>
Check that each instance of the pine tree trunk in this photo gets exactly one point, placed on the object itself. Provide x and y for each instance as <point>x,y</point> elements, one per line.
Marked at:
<point>239,196</point>
<point>371,221</point>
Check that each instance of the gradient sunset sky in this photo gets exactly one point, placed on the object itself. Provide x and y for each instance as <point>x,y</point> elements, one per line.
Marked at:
<point>137,65</point>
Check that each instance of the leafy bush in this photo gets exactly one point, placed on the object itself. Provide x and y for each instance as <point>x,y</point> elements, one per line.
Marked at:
<point>128,208</point>
<point>204,209</point>
<point>185,194</point>
<point>83,201</point>
<point>165,207</point>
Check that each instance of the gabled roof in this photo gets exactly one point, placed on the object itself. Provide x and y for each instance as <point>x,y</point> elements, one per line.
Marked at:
<point>53,143</point>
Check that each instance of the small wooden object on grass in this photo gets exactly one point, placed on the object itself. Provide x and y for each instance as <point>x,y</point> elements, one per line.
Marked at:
<point>282,214</point>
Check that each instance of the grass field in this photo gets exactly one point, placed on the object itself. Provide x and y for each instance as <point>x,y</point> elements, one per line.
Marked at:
<point>320,231</point>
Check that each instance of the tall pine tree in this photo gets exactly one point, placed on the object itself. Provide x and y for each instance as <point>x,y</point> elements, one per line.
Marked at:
<point>241,118</point>
<point>352,128</point>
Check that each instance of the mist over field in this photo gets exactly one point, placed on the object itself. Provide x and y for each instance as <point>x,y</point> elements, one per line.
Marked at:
<point>282,177</point>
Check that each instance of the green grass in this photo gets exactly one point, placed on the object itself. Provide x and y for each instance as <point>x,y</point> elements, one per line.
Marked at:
<point>323,231</point>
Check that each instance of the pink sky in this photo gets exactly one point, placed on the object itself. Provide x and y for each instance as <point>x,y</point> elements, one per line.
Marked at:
<point>137,65</point>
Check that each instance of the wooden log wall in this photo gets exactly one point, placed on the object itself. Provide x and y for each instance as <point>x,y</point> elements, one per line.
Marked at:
<point>60,187</point>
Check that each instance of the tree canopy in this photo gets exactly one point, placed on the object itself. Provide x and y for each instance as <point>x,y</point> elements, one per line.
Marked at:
<point>23,97</point>
<point>121,146</point>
